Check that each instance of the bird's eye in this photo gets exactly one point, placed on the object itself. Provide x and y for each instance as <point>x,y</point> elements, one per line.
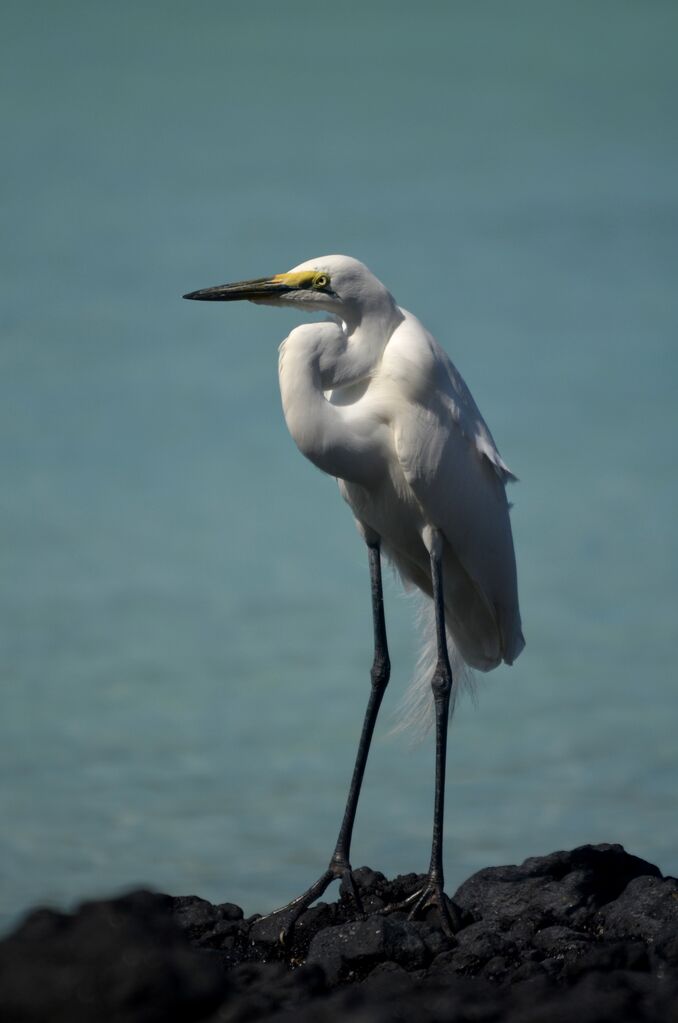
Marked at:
<point>320,281</point>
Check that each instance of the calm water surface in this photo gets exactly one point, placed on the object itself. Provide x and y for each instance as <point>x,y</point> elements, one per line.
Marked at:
<point>184,606</point>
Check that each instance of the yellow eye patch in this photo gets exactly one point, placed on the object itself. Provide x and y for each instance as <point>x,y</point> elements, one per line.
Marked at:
<point>303,279</point>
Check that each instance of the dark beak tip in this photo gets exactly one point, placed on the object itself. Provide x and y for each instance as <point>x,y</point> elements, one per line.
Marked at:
<point>260,288</point>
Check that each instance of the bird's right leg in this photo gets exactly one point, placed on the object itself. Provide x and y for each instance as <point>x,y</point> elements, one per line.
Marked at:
<point>340,865</point>
<point>431,894</point>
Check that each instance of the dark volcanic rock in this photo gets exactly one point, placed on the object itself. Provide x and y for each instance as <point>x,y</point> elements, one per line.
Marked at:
<point>590,934</point>
<point>563,888</point>
<point>119,959</point>
<point>647,909</point>
<point>351,951</point>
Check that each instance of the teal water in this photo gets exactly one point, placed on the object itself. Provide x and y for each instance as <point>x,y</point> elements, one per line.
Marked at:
<point>184,608</point>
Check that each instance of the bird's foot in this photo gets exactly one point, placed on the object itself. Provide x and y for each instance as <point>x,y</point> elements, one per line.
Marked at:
<point>286,916</point>
<point>430,896</point>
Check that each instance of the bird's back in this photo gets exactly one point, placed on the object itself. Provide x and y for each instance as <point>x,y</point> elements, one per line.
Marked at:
<point>445,471</point>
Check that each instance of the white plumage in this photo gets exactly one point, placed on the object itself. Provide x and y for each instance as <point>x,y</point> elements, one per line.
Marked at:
<point>410,449</point>
<point>372,399</point>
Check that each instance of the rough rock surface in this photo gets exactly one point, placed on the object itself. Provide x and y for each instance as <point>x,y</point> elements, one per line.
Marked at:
<point>588,935</point>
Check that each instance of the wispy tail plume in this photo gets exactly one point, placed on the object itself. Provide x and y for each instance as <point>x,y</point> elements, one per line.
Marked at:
<point>415,711</point>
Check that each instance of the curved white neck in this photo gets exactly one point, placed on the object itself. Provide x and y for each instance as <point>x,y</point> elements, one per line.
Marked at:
<point>318,357</point>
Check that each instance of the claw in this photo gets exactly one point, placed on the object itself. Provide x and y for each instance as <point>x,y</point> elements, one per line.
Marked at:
<point>430,895</point>
<point>290,913</point>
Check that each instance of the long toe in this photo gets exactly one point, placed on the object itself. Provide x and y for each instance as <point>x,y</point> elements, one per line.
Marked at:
<point>430,896</point>
<point>279,925</point>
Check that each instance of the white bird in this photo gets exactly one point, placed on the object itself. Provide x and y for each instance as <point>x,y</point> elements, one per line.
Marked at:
<point>372,399</point>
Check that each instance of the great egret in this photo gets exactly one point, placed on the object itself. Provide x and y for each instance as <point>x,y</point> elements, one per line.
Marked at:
<point>372,399</point>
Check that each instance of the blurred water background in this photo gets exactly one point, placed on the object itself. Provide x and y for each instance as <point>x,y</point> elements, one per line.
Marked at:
<point>184,603</point>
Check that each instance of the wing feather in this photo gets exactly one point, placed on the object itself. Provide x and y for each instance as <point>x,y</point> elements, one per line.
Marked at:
<point>450,461</point>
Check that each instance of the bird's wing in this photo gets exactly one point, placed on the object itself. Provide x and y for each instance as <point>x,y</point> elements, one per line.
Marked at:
<point>450,461</point>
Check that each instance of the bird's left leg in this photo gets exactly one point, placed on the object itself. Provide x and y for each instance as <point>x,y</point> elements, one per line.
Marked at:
<point>431,894</point>
<point>340,865</point>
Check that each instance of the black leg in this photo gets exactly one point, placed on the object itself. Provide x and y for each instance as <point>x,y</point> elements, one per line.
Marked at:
<point>340,865</point>
<point>380,674</point>
<point>432,893</point>
<point>441,684</point>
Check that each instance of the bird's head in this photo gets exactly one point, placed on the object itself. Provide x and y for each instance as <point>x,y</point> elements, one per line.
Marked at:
<point>336,284</point>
